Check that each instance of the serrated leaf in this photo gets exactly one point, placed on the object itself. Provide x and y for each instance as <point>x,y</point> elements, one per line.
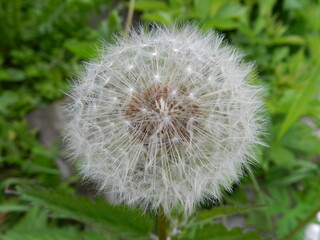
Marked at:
<point>55,234</point>
<point>300,137</point>
<point>216,212</point>
<point>220,232</point>
<point>283,177</point>
<point>120,220</point>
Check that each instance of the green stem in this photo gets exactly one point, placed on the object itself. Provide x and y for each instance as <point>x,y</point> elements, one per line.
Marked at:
<point>261,197</point>
<point>161,225</point>
<point>129,18</point>
<point>256,186</point>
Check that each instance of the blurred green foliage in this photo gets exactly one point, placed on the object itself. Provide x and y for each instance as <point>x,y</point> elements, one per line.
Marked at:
<point>43,43</point>
<point>41,46</point>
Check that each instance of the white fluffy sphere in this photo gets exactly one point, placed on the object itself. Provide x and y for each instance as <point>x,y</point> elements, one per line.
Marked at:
<point>165,118</point>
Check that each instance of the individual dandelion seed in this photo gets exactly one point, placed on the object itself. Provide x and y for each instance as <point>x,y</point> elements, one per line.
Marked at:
<point>165,119</point>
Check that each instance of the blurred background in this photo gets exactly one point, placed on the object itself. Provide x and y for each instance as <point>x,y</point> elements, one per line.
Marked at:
<point>43,44</point>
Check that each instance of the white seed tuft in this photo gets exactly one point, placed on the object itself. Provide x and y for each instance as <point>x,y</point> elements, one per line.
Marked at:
<point>171,143</point>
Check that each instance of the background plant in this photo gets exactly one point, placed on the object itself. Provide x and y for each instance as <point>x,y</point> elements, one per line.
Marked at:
<point>43,43</point>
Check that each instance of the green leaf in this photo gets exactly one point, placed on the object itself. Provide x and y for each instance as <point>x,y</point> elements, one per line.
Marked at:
<point>300,137</point>
<point>150,5</point>
<point>289,40</point>
<point>203,7</point>
<point>120,220</point>
<point>265,7</point>
<point>216,212</point>
<point>219,232</point>
<point>283,177</point>
<point>82,49</point>
<point>35,219</point>
<point>292,4</point>
<point>7,100</point>
<point>231,9</point>
<point>221,23</point>
<point>300,103</point>
<point>110,26</point>
<point>12,75</point>
<point>162,17</point>
<point>54,234</point>
<point>281,156</point>
<point>11,207</point>
<point>37,168</point>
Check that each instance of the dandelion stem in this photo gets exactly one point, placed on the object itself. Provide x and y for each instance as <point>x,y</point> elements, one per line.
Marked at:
<point>129,18</point>
<point>161,224</point>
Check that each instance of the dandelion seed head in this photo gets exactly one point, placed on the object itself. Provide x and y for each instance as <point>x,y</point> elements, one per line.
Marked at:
<point>166,115</point>
<point>161,125</point>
